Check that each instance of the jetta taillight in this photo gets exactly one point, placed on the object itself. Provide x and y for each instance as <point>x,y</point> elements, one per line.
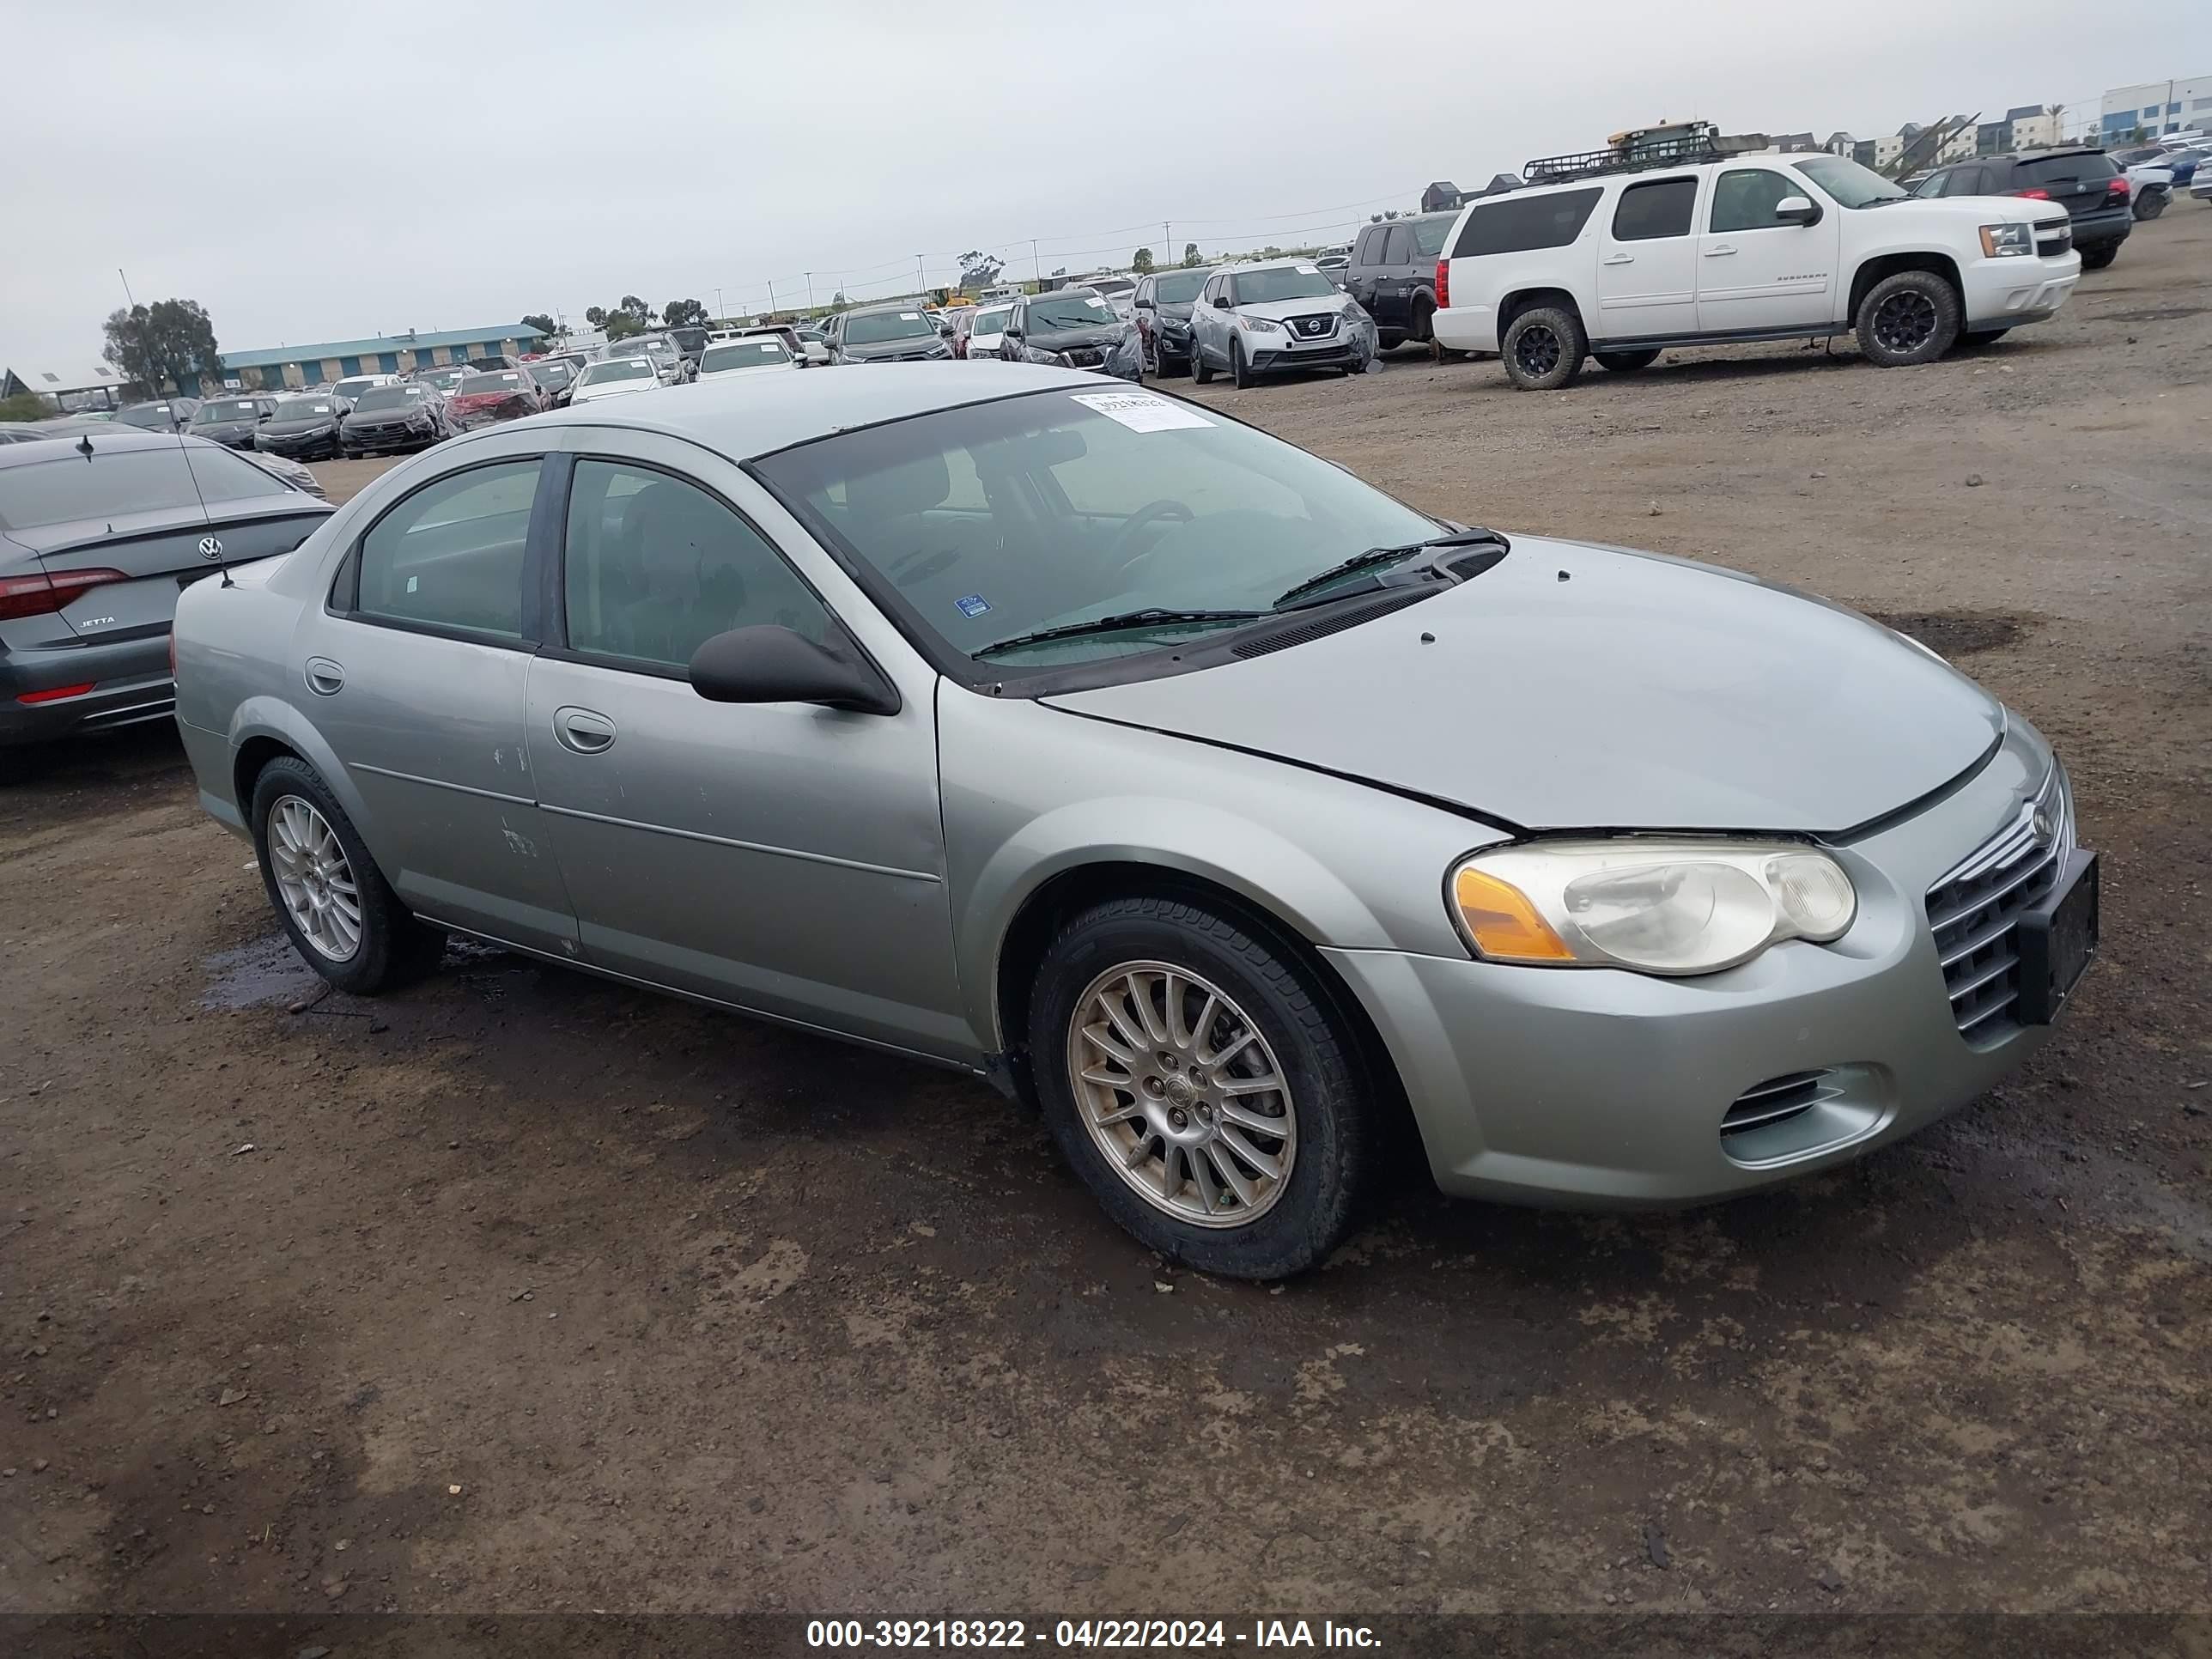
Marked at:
<point>1443,283</point>
<point>44,593</point>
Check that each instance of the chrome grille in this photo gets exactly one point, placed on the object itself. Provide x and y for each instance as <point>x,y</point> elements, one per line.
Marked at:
<point>1975,910</point>
<point>1312,328</point>
<point>2056,238</point>
<point>1776,1101</point>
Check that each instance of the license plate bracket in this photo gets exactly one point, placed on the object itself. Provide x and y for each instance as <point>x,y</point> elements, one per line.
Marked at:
<point>2057,940</point>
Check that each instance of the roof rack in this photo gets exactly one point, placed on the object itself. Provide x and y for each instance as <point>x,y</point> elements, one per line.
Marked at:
<point>1678,144</point>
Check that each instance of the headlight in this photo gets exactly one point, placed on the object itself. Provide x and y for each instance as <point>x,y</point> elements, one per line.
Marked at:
<point>2004,241</point>
<point>1259,324</point>
<point>1659,906</point>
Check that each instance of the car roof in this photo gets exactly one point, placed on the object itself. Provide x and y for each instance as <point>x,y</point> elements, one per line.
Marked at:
<point>103,443</point>
<point>1288,259</point>
<point>762,418</point>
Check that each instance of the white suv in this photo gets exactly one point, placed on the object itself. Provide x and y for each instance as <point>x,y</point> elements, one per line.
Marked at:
<point>1621,263</point>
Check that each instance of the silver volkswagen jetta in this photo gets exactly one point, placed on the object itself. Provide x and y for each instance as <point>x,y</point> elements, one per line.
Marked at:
<point>1096,743</point>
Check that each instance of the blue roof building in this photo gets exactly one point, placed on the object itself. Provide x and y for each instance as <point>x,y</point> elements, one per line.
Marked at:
<point>277,368</point>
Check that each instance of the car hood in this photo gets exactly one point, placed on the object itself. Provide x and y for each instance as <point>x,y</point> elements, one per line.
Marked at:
<point>1571,686</point>
<point>1062,339</point>
<point>1281,310</point>
<point>395,415</point>
<point>1175,312</point>
<point>220,429</point>
<point>300,428</point>
<point>906,347</point>
<point>1972,209</point>
<point>753,368</point>
<point>589,394</point>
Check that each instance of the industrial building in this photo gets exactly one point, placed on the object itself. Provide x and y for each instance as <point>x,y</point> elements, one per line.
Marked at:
<point>68,389</point>
<point>2157,108</point>
<point>281,367</point>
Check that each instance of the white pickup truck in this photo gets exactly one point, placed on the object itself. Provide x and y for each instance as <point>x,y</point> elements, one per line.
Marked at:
<point>1621,261</point>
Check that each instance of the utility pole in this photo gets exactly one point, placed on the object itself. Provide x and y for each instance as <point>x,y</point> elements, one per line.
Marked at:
<point>1036,268</point>
<point>1167,247</point>
<point>771,299</point>
<point>921,279</point>
<point>127,299</point>
<point>720,315</point>
<point>810,293</point>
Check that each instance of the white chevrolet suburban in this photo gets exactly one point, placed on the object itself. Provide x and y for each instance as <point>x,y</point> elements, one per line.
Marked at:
<point>1621,260</point>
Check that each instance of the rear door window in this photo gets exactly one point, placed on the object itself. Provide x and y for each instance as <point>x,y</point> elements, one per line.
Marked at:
<point>450,557</point>
<point>1519,223</point>
<point>1650,211</point>
<point>1399,251</point>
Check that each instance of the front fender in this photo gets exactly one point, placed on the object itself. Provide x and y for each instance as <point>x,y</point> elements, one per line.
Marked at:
<point>1341,864</point>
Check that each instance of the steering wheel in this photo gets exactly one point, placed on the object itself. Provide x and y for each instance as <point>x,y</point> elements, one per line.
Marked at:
<point>1143,518</point>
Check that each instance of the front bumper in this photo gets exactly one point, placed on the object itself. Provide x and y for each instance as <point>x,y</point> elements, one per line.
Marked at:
<point>2006,292</point>
<point>129,681</point>
<point>1593,1087</point>
<point>380,443</point>
<point>1326,354</point>
<point>324,442</point>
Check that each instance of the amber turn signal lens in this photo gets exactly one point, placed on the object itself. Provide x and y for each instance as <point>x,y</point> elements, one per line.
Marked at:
<point>1501,922</point>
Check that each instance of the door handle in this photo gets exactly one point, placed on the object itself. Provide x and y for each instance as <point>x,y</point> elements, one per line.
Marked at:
<point>325,677</point>
<point>1619,258</point>
<point>583,731</point>
<point>1715,253</point>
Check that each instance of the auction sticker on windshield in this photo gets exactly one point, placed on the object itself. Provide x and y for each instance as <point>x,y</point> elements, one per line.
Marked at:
<point>1140,411</point>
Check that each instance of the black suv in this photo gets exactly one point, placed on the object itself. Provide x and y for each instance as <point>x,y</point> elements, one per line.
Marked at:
<point>1393,274</point>
<point>2080,178</point>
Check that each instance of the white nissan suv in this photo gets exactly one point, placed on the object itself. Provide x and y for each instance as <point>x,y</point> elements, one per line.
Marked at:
<point>1618,261</point>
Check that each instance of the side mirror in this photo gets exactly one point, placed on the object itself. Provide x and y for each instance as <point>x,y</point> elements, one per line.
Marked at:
<point>1226,302</point>
<point>1010,332</point>
<point>775,664</point>
<point>1796,210</point>
<point>1145,304</point>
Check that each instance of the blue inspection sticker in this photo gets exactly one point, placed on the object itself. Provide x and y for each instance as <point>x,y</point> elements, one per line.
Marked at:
<point>974,604</point>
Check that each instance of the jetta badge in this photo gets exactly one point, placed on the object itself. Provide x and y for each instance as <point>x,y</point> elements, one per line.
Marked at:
<point>210,547</point>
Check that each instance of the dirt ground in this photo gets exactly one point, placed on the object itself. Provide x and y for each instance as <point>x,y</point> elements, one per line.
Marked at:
<point>520,1290</point>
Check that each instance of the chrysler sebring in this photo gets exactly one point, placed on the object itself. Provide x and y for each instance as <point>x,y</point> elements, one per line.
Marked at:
<point>1164,774</point>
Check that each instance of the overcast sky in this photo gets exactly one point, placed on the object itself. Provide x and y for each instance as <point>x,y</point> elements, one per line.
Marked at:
<point>313,173</point>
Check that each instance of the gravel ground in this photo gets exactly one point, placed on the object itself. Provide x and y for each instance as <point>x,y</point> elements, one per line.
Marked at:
<point>521,1290</point>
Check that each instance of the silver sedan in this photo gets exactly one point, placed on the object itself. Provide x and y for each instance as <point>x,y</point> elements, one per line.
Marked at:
<point>1161,773</point>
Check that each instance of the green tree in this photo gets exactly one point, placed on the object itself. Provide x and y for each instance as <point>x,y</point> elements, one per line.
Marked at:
<point>596,316</point>
<point>640,313</point>
<point>684,314</point>
<point>24,406</point>
<point>1191,255</point>
<point>160,343</point>
<point>620,325</point>
<point>1141,259</point>
<point>979,270</point>
<point>541,322</point>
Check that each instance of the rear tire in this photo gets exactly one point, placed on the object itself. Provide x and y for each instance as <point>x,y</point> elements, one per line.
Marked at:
<point>1209,1199</point>
<point>2097,258</point>
<point>1907,318</point>
<point>389,947</point>
<point>1240,374</point>
<point>2150,203</point>
<point>1423,310</point>
<point>1626,363</point>
<point>1543,348</point>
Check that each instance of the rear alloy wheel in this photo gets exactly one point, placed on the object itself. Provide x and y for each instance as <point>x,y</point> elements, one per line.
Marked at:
<point>1627,362</point>
<point>1544,347</point>
<point>343,918</point>
<point>1910,317</point>
<point>1239,374</point>
<point>1200,1087</point>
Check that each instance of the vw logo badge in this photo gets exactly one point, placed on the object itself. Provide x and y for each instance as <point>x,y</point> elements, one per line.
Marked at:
<point>210,547</point>
<point>2041,827</point>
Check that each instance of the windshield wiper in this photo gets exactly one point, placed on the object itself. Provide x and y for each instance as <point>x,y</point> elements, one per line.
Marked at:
<point>1382,555</point>
<point>1150,615</point>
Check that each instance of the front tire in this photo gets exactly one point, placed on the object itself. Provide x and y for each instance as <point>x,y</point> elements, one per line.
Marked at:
<point>2097,258</point>
<point>1201,1087</point>
<point>343,918</point>
<point>1240,373</point>
<point>1544,347</point>
<point>1907,318</point>
<point>1201,372</point>
<point>1626,363</point>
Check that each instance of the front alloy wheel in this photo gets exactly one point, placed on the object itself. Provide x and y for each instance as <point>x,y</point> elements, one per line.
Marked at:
<point>1182,1094</point>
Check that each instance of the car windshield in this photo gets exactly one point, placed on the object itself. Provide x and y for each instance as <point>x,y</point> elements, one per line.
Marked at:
<point>1180,288</point>
<point>230,409</point>
<point>1282,283</point>
<point>1110,285</point>
<point>305,409</point>
<point>991,321</point>
<point>2128,158</point>
<point>551,368</point>
<point>1069,311</point>
<point>351,388</point>
<point>875,327</point>
<point>478,386</point>
<point>390,397</point>
<point>765,351</point>
<point>1847,183</point>
<point>154,416</point>
<point>689,338</point>
<point>1429,231</point>
<point>1027,513</point>
<point>164,478</point>
<point>446,379</point>
<point>631,368</point>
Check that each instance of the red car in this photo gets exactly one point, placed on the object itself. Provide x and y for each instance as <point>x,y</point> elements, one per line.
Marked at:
<point>485,398</point>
